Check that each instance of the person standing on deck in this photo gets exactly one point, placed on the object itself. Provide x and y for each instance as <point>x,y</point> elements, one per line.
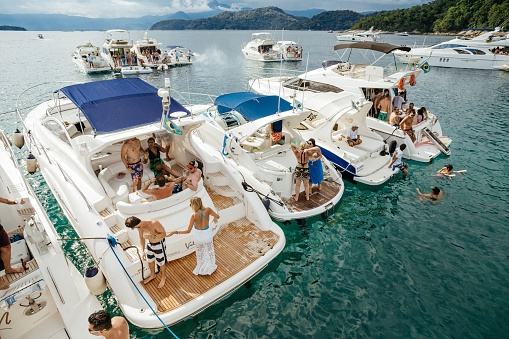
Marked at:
<point>131,157</point>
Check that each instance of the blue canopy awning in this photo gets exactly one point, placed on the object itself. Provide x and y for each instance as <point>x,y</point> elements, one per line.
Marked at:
<point>252,106</point>
<point>118,104</point>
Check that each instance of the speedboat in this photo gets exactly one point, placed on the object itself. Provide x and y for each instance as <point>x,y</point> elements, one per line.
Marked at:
<point>88,59</point>
<point>49,298</point>
<point>40,36</point>
<point>117,45</point>
<point>77,138</point>
<point>241,135</point>
<point>178,55</point>
<point>135,70</point>
<point>261,48</point>
<point>489,50</point>
<point>356,36</point>
<point>363,80</point>
<point>289,50</point>
<point>148,52</point>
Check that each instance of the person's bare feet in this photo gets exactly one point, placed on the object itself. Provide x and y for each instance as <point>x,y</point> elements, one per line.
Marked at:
<point>161,283</point>
<point>15,270</point>
<point>296,198</point>
<point>3,285</point>
<point>149,279</point>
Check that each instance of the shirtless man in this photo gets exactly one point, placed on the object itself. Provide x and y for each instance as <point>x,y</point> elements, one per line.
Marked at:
<point>190,179</point>
<point>395,117</point>
<point>155,250</point>
<point>131,157</point>
<point>384,105</point>
<point>406,125</point>
<point>436,194</point>
<point>100,323</point>
<point>164,190</point>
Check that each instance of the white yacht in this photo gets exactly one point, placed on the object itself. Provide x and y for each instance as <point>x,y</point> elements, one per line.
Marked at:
<point>135,70</point>
<point>88,59</point>
<point>78,145</point>
<point>356,36</point>
<point>241,136</point>
<point>148,52</point>
<point>117,44</point>
<point>488,50</point>
<point>50,298</point>
<point>289,50</point>
<point>261,48</point>
<point>363,80</point>
<point>178,55</point>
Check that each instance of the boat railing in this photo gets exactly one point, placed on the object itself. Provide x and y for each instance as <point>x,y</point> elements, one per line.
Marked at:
<point>191,98</point>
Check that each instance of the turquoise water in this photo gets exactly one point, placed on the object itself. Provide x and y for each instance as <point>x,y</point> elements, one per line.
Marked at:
<point>385,265</point>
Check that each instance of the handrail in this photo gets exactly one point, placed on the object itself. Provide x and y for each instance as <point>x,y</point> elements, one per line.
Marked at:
<point>68,179</point>
<point>56,286</point>
<point>21,289</point>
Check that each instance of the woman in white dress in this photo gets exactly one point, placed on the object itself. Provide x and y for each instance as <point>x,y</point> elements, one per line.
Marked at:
<point>203,237</point>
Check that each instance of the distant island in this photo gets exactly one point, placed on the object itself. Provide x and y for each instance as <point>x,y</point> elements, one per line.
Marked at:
<point>11,28</point>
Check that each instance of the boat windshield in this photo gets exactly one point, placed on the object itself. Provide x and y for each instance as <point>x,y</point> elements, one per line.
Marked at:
<point>444,46</point>
<point>307,85</point>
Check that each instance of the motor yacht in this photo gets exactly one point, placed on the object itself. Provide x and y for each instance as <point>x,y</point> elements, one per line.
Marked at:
<point>88,59</point>
<point>178,55</point>
<point>363,80</point>
<point>49,298</point>
<point>148,52</point>
<point>117,44</point>
<point>356,36</point>
<point>488,50</point>
<point>77,138</point>
<point>135,70</point>
<point>289,50</point>
<point>241,135</point>
<point>261,48</point>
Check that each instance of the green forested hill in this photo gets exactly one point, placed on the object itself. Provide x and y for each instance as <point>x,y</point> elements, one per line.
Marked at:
<point>11,28</point>
<point>440,16</point>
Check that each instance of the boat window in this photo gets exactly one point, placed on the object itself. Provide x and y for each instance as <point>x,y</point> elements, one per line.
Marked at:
<point>307,85</point>
<point>57,129</point>
<point>475,51</point>
<point>444,46</point>
<point>461,51</point>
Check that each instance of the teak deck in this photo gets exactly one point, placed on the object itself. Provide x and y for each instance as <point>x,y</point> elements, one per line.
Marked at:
<point>236,245</point>
<point>316,198</point>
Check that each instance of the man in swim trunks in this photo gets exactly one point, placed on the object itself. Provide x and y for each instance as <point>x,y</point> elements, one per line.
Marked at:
<point>406,125</point>
<point>131,157</point>
<point>190,179</point>
<point>397,161</point>
<point>155,251</point>
<point>164,190</point>
<point>384,105</point>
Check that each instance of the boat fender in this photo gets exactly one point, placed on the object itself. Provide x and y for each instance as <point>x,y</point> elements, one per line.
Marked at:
<point>31,164</point>
<point>401,84</point>
<point>392,146</point>
<point>411,81</point>
<point>266,202</point>
<point>94,278</point>
<point>18,138</point>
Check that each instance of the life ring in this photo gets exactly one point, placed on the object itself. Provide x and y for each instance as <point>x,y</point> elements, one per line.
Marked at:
<point>411,81</point>
<point>401,84</point>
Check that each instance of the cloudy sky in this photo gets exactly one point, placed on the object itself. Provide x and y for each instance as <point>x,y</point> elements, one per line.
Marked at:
<point>138,8</point>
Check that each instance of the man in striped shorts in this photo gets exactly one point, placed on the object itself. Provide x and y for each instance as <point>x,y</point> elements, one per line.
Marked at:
<point>155,251</point>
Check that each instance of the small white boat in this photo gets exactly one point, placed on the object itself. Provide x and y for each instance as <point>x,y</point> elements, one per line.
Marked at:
<point>50,299</point>
<point>241,136</point>
<point>88,59</point>
<point>117,44</point>
<point>40,36</point>
<point>261,48</point>
<point>148,52</point>
<point>356,36</point>
<point>488,50</point>
<point>178,55</point>
<point>135,70</point>
<point>289,50</point>
<point>336,77</point>
<point>402,34</point>
<point>77,138</point>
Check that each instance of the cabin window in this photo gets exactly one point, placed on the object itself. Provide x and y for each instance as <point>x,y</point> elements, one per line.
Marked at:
<point>307,85</point>
<point>444,46</point>
<point>461,51</point>
<point>475,51</point>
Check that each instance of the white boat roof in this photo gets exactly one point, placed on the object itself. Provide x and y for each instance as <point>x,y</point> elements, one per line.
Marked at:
<point>262,35</point>
<point>330,104</point>
<point>251,127</point>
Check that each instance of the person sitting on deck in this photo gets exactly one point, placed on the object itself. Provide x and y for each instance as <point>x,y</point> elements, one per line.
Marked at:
<point>157,165</point>
<point>190,179</point>
<point>164,190</point>
<point>276,132</point>
<point>406,125</point>
<point>352,136</point>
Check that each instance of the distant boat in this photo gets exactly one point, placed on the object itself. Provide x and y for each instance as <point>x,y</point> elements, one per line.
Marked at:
<point>40,36</point>
<point>330,31</point>
<point>402,33</point>
<point>355,36</point>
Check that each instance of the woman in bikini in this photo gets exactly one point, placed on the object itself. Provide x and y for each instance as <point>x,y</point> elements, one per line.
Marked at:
<point>203,237</point>
<point>157,164</point>
<point>301,170</point>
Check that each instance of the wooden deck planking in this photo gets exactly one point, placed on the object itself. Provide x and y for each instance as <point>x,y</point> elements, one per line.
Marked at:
<point>316,198</point>
<point>12,277</point>
<point>236,245</point>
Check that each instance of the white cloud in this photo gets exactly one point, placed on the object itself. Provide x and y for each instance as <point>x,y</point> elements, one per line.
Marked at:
<point>138,8</point>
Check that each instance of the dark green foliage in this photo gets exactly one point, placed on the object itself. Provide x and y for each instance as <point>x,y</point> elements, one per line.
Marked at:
<point>11,28</point>
<point>440,16</point>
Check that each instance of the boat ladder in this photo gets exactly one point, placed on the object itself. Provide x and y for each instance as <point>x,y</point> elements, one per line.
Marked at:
<point>436,140</point>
